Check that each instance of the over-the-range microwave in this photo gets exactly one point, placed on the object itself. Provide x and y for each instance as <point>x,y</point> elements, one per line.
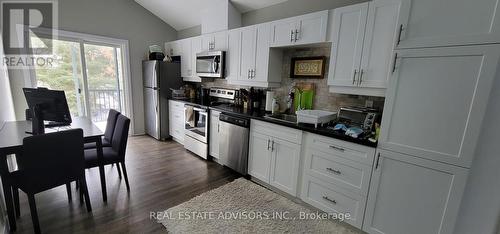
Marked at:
<point>211,64</point>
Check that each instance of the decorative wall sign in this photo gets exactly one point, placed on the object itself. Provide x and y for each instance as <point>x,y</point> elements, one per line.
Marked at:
<point>308,67</point>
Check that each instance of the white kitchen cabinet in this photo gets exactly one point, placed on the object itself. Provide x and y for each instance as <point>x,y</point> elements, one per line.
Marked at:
<point>284,165</point>
<point>413,195</point>
<point>336,176</point>
<point>214,134</point>
<point>258,65</point>
<point>214,41</point>
<point>173,48</point>
<point>274,158</point>
<point>363,37</point>
<point>259,156</point>
<point>233,55</point>
<point>333,200</point>
<point>436,101</point>
<point>304,29</point>
<point>188,49</point>
<point>427,23</point>
<point>176,120</point>
<point>186,58</point>
<point>247,52</point>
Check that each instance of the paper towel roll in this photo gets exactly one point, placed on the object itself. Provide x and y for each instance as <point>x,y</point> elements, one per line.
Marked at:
<point>269,100</point>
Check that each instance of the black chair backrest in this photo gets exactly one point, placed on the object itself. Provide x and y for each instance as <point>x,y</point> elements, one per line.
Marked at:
<point>120,136</point>
<point>110,124</point>
<point>53,157</point>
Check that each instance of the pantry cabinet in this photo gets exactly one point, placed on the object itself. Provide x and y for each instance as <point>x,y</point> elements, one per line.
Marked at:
<point>436,101</point>
<point>363,38</point>
<point>427,23</point>
<point>304,29</point>
<point>413,195</point>
<point>274,158</point>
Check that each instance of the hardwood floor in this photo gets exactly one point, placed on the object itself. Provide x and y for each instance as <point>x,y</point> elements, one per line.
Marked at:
<point>161,175</point>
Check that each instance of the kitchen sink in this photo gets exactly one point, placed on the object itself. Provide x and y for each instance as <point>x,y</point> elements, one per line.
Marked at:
<point>283,117</point>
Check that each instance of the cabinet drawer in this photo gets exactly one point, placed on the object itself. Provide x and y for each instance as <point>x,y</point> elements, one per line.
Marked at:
<point>177,131</point>
<point>176,104</point>
<point>348,174</point>
<point>344,149</point>
<point>277,131</point>
<point>176,117</point>
<point>332,199</point>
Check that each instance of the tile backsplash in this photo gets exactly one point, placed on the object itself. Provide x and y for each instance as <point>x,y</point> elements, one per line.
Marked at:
<point>323,99</point>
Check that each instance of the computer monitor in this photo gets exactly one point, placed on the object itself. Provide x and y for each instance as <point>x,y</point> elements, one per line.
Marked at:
<point>51,105</point>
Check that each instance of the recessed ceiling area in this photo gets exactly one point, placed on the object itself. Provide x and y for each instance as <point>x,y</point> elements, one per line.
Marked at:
<point>186,13</point>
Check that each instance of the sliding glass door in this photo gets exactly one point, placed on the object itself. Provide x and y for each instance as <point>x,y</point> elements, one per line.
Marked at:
<point>91,74</point>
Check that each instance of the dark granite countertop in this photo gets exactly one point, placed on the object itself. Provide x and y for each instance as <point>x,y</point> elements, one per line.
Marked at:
<point>259,115</point>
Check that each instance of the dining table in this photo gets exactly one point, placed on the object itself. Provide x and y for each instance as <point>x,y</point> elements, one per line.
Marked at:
<point>12,134</point>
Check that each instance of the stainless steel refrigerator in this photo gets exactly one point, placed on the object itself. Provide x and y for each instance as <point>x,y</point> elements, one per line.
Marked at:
<point>159,77</point>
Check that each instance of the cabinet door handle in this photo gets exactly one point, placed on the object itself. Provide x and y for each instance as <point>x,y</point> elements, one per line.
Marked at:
<point>377,163</point>
<point>291,36</point>
<point>337,148</point>
<point>248,74</point>
<point>354,76</point>
<point>296,34</point>
<point>253,73</point>
<point>272,147</point>
<point>268,141</point>
<point>333,170</point>
<point>218,127</point>
<point>400,31</point>
<point>394,62</point>
<point>330,200</point>
<point>361,76</point>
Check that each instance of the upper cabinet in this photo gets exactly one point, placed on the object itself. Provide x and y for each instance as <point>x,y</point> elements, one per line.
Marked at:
<point>427,23</point>
<point>256,64</point>
<point>304,29</point>
<point>187,50</point>
<point>214,41</point>
<point>436,101</point>
<point>173,48</point>
<point>363,37</point>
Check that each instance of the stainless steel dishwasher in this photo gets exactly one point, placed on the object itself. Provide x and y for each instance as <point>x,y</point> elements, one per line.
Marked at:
<point>233,142</point>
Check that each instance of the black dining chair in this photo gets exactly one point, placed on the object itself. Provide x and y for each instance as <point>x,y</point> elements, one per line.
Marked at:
<point>114,153</point>
<point>108,135</point>
<point>48,161</point>
<point>108,132</point>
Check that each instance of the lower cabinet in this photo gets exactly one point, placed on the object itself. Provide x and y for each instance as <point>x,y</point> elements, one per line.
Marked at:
<point>275,160</point>
<point>332,199</point>
<point>285,158</point>
<point>336,176</point>
<point>176,120</point>
<point>413,195</point>
<point>214,131</point>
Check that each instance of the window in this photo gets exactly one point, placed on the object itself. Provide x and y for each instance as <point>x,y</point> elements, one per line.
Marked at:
<point>91,72</point>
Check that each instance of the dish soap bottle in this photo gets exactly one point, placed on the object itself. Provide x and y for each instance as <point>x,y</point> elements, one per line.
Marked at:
<point>275,106</point>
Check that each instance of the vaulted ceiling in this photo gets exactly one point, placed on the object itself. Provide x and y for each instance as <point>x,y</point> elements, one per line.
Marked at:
<point>182,14</point>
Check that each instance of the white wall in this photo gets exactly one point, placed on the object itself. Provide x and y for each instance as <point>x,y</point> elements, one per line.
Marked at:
<point>6,104</point>
<point>480,209</point>
<point>121,19</point>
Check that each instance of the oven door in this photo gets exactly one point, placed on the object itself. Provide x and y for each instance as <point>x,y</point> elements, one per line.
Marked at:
<point>210,64</point>
<point>196,125</point>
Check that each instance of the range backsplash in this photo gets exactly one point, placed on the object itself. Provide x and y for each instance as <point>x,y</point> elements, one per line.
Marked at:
<point>323,99</point>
